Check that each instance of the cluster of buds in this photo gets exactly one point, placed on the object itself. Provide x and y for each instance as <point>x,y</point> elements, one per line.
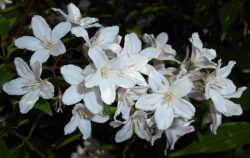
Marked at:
<point>150,98</point>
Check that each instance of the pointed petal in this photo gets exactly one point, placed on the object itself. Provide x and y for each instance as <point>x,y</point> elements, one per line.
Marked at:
<point>92,80</point>
<point>74,12</point>
<point>28,100</point>
<point>150,53</point>
<point>149,102</point>
<point>40,57</point>
<point>71,126</point>
<point>28,42</point>
<point>162,38</point>
<point>164,117</point>
<point>60,11</point>
<point>40,27</point>
<point>85,128</point>
<point>106,35</point>
<point>60,30</point>
<point>108,93</point>
<point>47,90</point>
<point>98,57</point>
<point>132,44</point>
<point>73,95</point>
<point>124,133</point>
<point>226,70</point>
<point>121,80</point>
<point>232,108</point>
<point>81,32</point>
<point>92,100</point>
<point>158,82</point>
<point>37,69</point>
<point>216,119</point>
<point>23,69</point>
<point>15,87</point>
<point>72,74</point>
<point>181,87</point>
<point>183,108</point>
<point>219,101</point>
<point>58,49</point>
<point>238,93</point>
<point>100,118</point>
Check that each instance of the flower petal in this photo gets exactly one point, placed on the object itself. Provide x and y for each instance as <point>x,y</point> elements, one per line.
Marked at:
<point>157,82</point>
<point>149,102</point>
<point>108,93</point>
<point>92,80</point>
<point>183,108</point>
<point>164,117</point>
<point>85,128</point>
<point>216,119</point>
<point>71,126</point>
<point>40,57</point>
<point>219,101</point>
<point>132,44</point>
<point>124,133</point>
<point>162,38</point>
<point>23,69</point>
<point>15,87</point>
<point>99,118</point>
<point>47,90</point>
<point>106,35</point>
<point>121,80</point>
<point>40,28</point>
<point>81,32</point>
<point>28,42</point>
<point>232,108</point>
<point>28,100</point>
<point>74,12</point>
<point>92,100</point>
<point>98,57</point>
<point>72,74</point>
<point>73,95</point>
<point>226,70</point>
<point>58,49</point>
<point>181,87</point>
<point>60,30</point>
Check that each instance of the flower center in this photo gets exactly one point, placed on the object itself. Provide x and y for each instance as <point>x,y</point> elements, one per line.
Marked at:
<point>167,96</point>
<point>31,85</point>
<point>47,44</point>
<point>104,71</point>
<point>84,113</point>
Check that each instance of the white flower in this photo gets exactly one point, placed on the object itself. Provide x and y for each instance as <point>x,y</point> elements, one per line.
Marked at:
<point>167,100</point>
<point>108,75</point>
<point>29,84</point>
<point>164,50</point>
<point>126,99</point>
<point>75,76</point>
<point>136,123</point>
<point>3,3</point>
<point>106,38</point>
<point>201,57</point>
<point>46,41</point>
<point>179,128</point>
<point>82,119</point>
<point>134,58</point>
<point>74,16</point>
<point>80,23</point>
<point>220,89</point>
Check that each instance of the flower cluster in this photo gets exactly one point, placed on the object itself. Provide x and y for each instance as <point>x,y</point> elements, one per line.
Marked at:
<point>150,98</point>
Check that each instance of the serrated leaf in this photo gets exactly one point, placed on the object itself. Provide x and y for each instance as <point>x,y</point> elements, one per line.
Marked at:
<point>228,14</point>
<point>229,136</point>
<point>44,107</point>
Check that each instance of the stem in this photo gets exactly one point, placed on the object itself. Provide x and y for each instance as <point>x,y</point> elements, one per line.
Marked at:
<point>26,141</point>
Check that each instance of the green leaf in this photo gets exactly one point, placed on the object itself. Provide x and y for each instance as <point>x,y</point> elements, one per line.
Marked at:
<point>6,74</point>
<point>68,140</point>
<point>5,151</point>
<point>228,14</point>
<point>44,107</point>
<point>229,136</point>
